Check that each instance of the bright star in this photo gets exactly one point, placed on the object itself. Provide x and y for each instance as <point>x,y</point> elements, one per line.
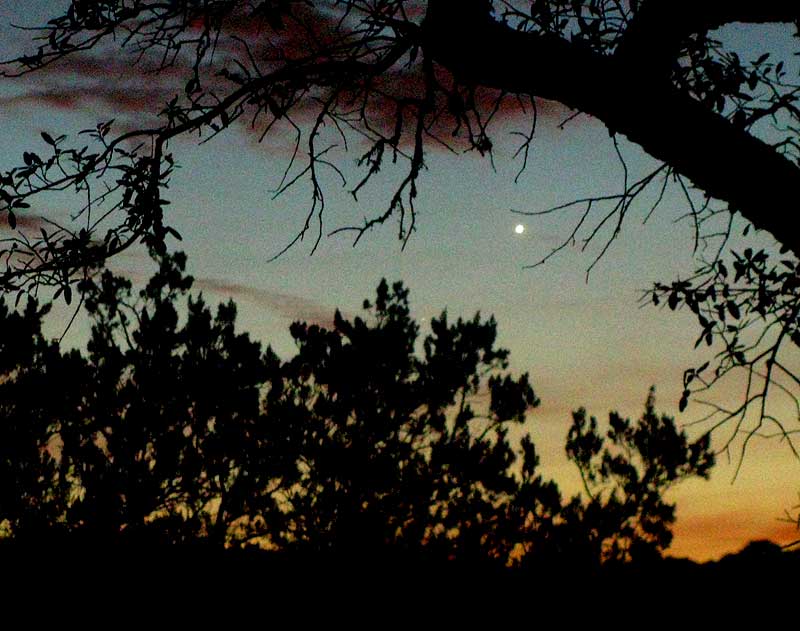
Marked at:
<point>519,229</point>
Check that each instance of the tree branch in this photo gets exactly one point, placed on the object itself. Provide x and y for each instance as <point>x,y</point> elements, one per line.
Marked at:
<point>657,30</point>
<point>724,161</point>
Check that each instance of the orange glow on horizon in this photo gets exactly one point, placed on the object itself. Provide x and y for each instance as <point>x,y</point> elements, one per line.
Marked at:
<point>710,537</point>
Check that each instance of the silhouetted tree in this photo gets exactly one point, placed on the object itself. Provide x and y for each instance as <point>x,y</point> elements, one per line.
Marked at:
<point>626,473</point>
<point>626,476</point>
<point>176,443</point>
<point>40,397</point>
<point>369,442</point>
<point>395,451</point>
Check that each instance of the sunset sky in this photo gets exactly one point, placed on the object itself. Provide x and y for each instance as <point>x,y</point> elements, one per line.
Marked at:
<point>587,343</point>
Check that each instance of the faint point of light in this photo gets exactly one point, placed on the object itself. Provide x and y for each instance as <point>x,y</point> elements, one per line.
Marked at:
<point>519,229</point>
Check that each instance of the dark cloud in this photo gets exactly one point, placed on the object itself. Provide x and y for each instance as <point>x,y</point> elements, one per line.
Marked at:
<point>286,305</point>
<point>290,306</point>
<point>108,86</point>
<point>111,99</point>
<point>109,82</point>
<point>27,223</point>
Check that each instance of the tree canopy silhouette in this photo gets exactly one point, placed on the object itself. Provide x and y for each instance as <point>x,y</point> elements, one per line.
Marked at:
<point>368,441</point>
<point>407,76</point>
<point>181,430</point>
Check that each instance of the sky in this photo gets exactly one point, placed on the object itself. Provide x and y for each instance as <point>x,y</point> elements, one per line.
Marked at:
<point>586,342</point>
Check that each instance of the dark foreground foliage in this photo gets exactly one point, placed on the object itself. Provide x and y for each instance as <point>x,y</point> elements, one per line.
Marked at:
<point>370,445</point>
<point>195,580</point>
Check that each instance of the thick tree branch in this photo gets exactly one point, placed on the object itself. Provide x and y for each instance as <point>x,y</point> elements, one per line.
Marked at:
<point>722,160</point>
<point>655,34</point>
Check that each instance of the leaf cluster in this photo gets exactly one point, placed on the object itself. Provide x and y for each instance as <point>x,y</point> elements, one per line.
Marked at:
<point>749,307</point>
